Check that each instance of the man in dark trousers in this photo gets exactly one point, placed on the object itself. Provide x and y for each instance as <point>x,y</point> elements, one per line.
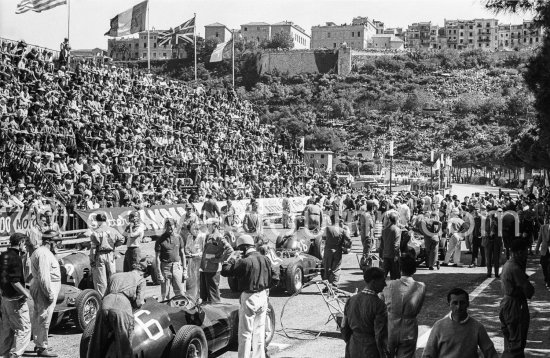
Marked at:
<point>365,223</point>
<point>15,328</point>
<point>124,294</point>
<point>255,276</point>
<point>514,311</point>
<point>216,251</point>
<point>389,247</point>
<point>332,256</point>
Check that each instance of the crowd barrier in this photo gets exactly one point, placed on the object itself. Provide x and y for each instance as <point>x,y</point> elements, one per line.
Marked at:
<point>77,222</point>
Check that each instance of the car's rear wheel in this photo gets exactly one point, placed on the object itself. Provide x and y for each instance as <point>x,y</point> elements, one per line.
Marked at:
<point>86,337</point>
<point>294,278</point>
<point>189,342</point>
<point>88,303</point>
<point>318,246</point>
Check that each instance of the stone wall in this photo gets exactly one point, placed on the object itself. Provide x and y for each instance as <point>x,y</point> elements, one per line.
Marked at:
<point>306,61</point>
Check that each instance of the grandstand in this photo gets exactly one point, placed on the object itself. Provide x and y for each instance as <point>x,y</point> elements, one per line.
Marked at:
<point>101,135</point>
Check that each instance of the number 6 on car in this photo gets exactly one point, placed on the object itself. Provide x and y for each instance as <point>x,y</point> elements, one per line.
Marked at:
<point>145,325</point>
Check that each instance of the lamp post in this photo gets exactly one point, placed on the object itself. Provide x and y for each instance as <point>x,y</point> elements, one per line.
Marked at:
<point>391,164</point>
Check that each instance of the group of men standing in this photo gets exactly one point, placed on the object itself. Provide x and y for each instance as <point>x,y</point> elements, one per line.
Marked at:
<point>28,271</point>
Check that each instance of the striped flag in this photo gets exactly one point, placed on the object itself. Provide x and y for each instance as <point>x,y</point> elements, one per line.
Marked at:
<point>185,32</point>
<point>221,51</point>
<point>38,5</point>
<point>129,22</point>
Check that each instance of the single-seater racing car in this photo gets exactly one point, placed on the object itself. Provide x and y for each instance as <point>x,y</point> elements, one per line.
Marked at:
<point>182,328</point>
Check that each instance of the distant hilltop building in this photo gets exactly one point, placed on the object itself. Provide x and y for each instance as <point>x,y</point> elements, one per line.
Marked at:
<point>135,48</point>
<point>217,31</point>
<point>357,35</point>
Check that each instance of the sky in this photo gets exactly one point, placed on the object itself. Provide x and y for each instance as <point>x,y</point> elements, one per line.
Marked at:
<point>89,19</point>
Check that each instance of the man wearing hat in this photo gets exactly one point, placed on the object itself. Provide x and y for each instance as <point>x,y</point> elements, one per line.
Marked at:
<point>104,240</point>
<point>45,287</point>
<point>186,221</point>
<point>255,275</point>
<point>15,328</point>
<point>115,320</point>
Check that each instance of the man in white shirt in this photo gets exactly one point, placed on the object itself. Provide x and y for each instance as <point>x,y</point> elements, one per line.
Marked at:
<point>45,287</point>
<point>404,212</point>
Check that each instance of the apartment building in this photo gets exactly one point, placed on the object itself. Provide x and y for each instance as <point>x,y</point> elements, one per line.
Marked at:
<point>422,35</point>
<point>357,35</point>
<point>518,36</point>
<point>471,34</point>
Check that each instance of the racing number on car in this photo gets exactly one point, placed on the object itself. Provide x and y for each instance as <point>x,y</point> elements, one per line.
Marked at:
<point>304,246</point>
<point>69,268</point>
<point>145,325</point>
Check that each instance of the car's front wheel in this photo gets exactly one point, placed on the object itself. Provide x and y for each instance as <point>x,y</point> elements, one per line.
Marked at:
<point>88,303</point>
<point>189,342</point>
<point>294,278</point>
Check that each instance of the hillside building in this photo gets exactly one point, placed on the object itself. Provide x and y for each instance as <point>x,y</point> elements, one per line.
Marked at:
<point>421,35</point>
<point>301,39</point>
<point>472,34</point>
<point>320,160</point>
<point>515,37</point>
<point>357,36</point>
<point>135,48</point>
<point>217,31</point>
<point>256,32</point>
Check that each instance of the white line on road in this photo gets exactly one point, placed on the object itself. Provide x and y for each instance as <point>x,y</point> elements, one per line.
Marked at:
<point>422,340</point>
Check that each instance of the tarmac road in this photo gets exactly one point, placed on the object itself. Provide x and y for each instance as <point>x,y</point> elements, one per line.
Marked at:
<point>306,315</point>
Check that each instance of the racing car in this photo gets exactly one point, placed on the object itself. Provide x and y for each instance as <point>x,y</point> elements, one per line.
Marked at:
<point>296,256</point>
<point>180,327</point>
<point>77,300</point>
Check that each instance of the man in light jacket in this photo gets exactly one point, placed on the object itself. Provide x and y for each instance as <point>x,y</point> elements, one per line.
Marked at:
<point>404,299</point>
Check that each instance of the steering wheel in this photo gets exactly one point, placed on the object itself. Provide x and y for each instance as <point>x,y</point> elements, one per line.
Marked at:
<point>181,301</point>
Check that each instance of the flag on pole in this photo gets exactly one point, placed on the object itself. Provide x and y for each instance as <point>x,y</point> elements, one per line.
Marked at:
<point>185,32</point>
<point>302,144</point>
<point>221,51</point>
<point>437,165</point>
<point>38,5</point>
<point>129,22</point>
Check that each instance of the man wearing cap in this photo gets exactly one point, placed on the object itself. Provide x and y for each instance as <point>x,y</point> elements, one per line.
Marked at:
<point>216,251</point>
<point>134,233</point>
<point>104,240</point>
<point>115,320</point>
<point>45,287</point>
<point>15,328</point>
<point>514,311</point>
<point>186,221</point>
<point>170,260</point>
<point>255,275</point>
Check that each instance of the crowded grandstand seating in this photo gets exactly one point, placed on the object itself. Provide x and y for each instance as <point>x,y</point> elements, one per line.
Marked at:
<point>99,135</point>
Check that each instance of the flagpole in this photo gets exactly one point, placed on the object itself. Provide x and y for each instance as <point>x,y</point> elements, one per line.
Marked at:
<point>68,19</point>
<point>233,55</point>
<point>195,43</point>
<point>148,41</point>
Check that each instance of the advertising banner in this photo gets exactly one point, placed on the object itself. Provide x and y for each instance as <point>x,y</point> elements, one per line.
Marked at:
<point>154,217</point>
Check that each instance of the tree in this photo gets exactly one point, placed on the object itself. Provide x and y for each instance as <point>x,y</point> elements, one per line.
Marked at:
<point>537,75</point>
<point>281,40</point>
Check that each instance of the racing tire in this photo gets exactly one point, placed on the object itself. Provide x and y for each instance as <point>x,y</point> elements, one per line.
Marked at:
<point>189,341</point>
<point>317,248</point>
<point>233,283</point>
<point>294,278</point>
<point>86,338</point>
<point>88,303</point>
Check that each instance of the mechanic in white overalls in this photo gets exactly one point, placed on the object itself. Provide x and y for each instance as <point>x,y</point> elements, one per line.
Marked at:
<point>104,239</point>
<point>193,248</point>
